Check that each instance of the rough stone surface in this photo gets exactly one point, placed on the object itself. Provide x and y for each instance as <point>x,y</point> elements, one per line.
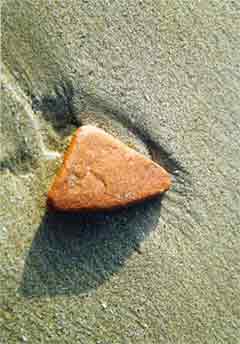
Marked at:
<point>101,173</point>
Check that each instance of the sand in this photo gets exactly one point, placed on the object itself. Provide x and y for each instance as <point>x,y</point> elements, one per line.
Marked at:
<point>164,78</point>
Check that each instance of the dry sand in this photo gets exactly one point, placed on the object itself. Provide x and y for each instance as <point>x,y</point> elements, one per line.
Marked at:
<point>163,76</point>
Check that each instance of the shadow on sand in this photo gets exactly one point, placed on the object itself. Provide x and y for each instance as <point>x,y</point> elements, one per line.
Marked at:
<point>72,254</point>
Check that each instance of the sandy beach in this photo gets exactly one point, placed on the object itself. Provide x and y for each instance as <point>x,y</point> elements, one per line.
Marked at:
<point>164,78</point>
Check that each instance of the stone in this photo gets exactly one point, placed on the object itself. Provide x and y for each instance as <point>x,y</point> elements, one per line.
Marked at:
<point>99,172</point>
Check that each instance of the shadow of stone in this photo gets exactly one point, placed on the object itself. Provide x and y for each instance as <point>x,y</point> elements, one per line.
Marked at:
<point>74,254</point>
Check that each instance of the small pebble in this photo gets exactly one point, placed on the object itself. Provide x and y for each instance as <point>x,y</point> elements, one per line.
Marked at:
<point>104,305</point>
<point>99,172</point>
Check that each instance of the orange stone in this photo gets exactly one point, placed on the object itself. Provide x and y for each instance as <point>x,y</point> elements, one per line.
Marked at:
<point>99,172</point>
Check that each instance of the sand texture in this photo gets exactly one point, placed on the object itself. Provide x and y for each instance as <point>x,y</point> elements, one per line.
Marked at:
<point>163,77</point>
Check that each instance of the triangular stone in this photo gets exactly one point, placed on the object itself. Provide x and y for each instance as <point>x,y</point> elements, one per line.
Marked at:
<point>100,172</point>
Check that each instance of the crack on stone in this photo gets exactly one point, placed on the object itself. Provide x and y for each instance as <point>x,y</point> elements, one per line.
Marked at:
<point>99,177</point>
